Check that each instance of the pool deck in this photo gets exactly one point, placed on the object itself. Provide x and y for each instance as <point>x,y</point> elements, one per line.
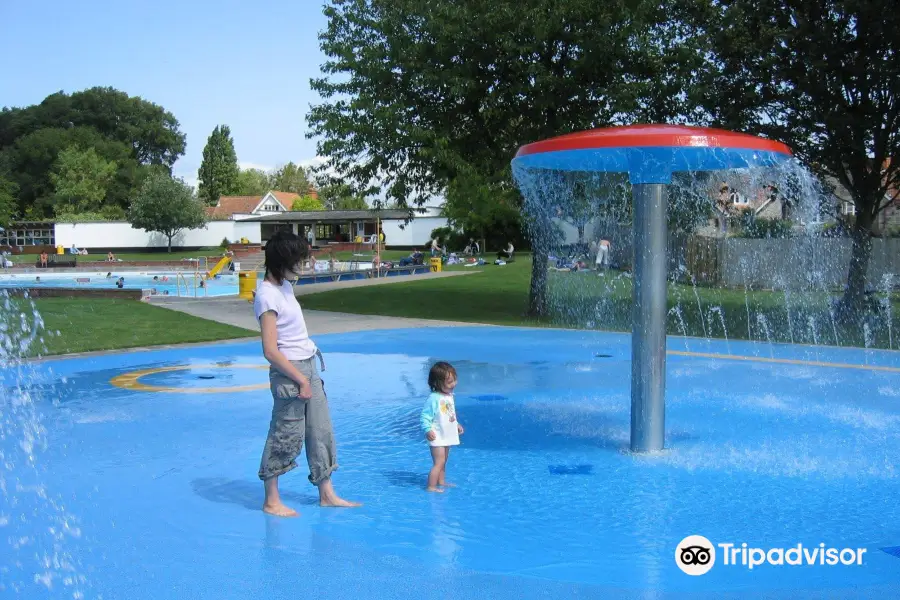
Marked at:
<point>239,312</point>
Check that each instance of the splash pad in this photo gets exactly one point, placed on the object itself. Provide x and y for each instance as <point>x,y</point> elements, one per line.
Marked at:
<point>650,154</point>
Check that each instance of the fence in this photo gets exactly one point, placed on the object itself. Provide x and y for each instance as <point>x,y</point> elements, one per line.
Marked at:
<point>800,262</point>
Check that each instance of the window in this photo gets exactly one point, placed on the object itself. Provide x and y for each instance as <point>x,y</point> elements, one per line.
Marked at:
<point>325,232</point>
<point>28,234</point>
<point>739,199</point>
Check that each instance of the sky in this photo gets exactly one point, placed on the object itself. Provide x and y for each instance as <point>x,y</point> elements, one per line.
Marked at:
<point>242,64</point>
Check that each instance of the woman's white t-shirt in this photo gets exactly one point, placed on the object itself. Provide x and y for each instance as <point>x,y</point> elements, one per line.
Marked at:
<point>293,338</point>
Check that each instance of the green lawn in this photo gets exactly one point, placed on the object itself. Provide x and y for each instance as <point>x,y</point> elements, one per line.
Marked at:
<point>107,324</point>
<point>499,295</point>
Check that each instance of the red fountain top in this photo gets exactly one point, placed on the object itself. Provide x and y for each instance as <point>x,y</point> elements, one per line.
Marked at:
<point>654,136</point>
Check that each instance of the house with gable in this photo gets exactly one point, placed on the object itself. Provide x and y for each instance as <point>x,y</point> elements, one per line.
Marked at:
<point>239,208</point>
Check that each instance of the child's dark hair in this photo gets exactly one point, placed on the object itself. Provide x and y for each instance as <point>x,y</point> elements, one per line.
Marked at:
<point>284,251</point>
<point>437,377</point>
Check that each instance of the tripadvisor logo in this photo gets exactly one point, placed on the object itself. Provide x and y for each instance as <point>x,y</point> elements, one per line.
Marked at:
<point>696,555</point>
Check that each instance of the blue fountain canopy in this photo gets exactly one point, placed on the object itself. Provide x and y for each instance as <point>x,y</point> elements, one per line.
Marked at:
<point>651,164</point>
<point>651,153</point>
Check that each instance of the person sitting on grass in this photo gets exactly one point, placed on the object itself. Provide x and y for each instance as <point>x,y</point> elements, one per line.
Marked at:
<point>439,423</point>
<point>300,407</point>
<point>110,257</point>
<point>507,254</point>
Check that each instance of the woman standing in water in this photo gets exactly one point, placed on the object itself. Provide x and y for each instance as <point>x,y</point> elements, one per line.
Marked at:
<point>300,409</point>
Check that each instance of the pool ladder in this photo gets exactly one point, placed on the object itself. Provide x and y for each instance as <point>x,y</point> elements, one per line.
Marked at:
<point>196,279</point>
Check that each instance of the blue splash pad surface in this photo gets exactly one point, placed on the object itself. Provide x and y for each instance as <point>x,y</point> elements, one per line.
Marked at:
<point>164,498</point>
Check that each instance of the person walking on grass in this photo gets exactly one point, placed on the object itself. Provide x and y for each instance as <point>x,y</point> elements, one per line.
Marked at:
<point>439,423</point>
<point>300,412</point>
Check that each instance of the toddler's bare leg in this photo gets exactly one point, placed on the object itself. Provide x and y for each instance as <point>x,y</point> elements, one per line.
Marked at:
<point>439,459</point>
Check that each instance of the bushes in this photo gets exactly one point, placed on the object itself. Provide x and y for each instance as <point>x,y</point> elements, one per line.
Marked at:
<point>752,227</point>
<point>453,240</point>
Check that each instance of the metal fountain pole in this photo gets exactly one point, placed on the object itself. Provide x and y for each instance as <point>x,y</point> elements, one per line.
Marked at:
<point>648,320</point>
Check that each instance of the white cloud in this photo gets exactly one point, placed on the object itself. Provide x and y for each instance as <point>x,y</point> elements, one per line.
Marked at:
<point>249,165</point>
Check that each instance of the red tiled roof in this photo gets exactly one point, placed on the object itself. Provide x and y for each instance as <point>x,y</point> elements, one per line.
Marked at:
<point>227,206</point>
<point>286,198</point>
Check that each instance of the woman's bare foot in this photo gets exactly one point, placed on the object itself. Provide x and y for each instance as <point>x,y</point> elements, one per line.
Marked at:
<point>329,498</point>
<point>335,502</point>
<point>434,489</point>
<point>280,510</point>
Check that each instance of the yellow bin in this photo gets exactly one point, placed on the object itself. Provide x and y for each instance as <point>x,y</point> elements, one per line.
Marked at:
<point>60,250</point>
<point>246,284</point>
<point>436,265</point>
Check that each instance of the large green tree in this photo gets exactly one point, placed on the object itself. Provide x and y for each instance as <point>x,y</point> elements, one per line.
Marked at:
<point>8,191</point>
<point>219,172</point>
<point>340,196</point>
<point>129,130</point>
<point>291,178</point>
<point>307,203</point>
<point>420,92</point>
<point>822,76</point>
<point>253,182</point>
<point>81,179</point>
<point>166,205</point>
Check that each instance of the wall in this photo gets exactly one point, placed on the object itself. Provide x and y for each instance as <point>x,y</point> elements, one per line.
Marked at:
<point>817,262</point>
<point>120,235</point>
<point>42,292</point>
<point>416,233</point>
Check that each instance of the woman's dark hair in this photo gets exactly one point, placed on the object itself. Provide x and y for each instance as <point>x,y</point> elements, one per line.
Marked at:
<point>284,251</point>
<point>437,377</point>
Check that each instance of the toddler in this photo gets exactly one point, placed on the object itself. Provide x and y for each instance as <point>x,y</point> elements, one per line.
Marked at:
<point>439,423</point>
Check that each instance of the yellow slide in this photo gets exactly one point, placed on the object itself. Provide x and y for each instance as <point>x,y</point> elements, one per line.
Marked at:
<point>223,262</point>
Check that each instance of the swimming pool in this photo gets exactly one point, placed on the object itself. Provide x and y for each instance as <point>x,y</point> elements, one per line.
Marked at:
<point>163,282</point>
<point>151,489</point>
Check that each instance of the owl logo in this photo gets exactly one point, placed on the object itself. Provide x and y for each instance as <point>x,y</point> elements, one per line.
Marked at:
<point>695,555</point>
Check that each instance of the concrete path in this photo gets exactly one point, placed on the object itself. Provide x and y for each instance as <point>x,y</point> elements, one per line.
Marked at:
<point>238,312</point>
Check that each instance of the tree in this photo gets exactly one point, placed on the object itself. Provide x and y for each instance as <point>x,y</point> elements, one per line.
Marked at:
<point>341,197</point>
<point>446,87</point>
<point>291,178</point>
<point>823,77</point>
<point>129,130</point>
<point>307,203</point>
<point>81,179</point>
<point>219,170</point>
<point>34,157</point>
<point>166,205</point>
<point>8,191</point>
<point>253,182</point>
<point>486,212</point>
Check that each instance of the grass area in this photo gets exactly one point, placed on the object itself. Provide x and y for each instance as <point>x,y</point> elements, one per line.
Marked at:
<point>86,324</point>
<point>499,295</point>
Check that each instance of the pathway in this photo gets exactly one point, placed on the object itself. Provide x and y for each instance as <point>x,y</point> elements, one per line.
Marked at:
<point>238,312</point>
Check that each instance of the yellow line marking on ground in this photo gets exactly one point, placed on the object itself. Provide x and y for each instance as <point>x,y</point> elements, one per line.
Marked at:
<point>785,361</point>
<point>131,381</point>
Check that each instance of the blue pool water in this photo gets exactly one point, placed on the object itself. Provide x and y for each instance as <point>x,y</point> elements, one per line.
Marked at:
<point>222,285</point>
<point>153,494</point>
